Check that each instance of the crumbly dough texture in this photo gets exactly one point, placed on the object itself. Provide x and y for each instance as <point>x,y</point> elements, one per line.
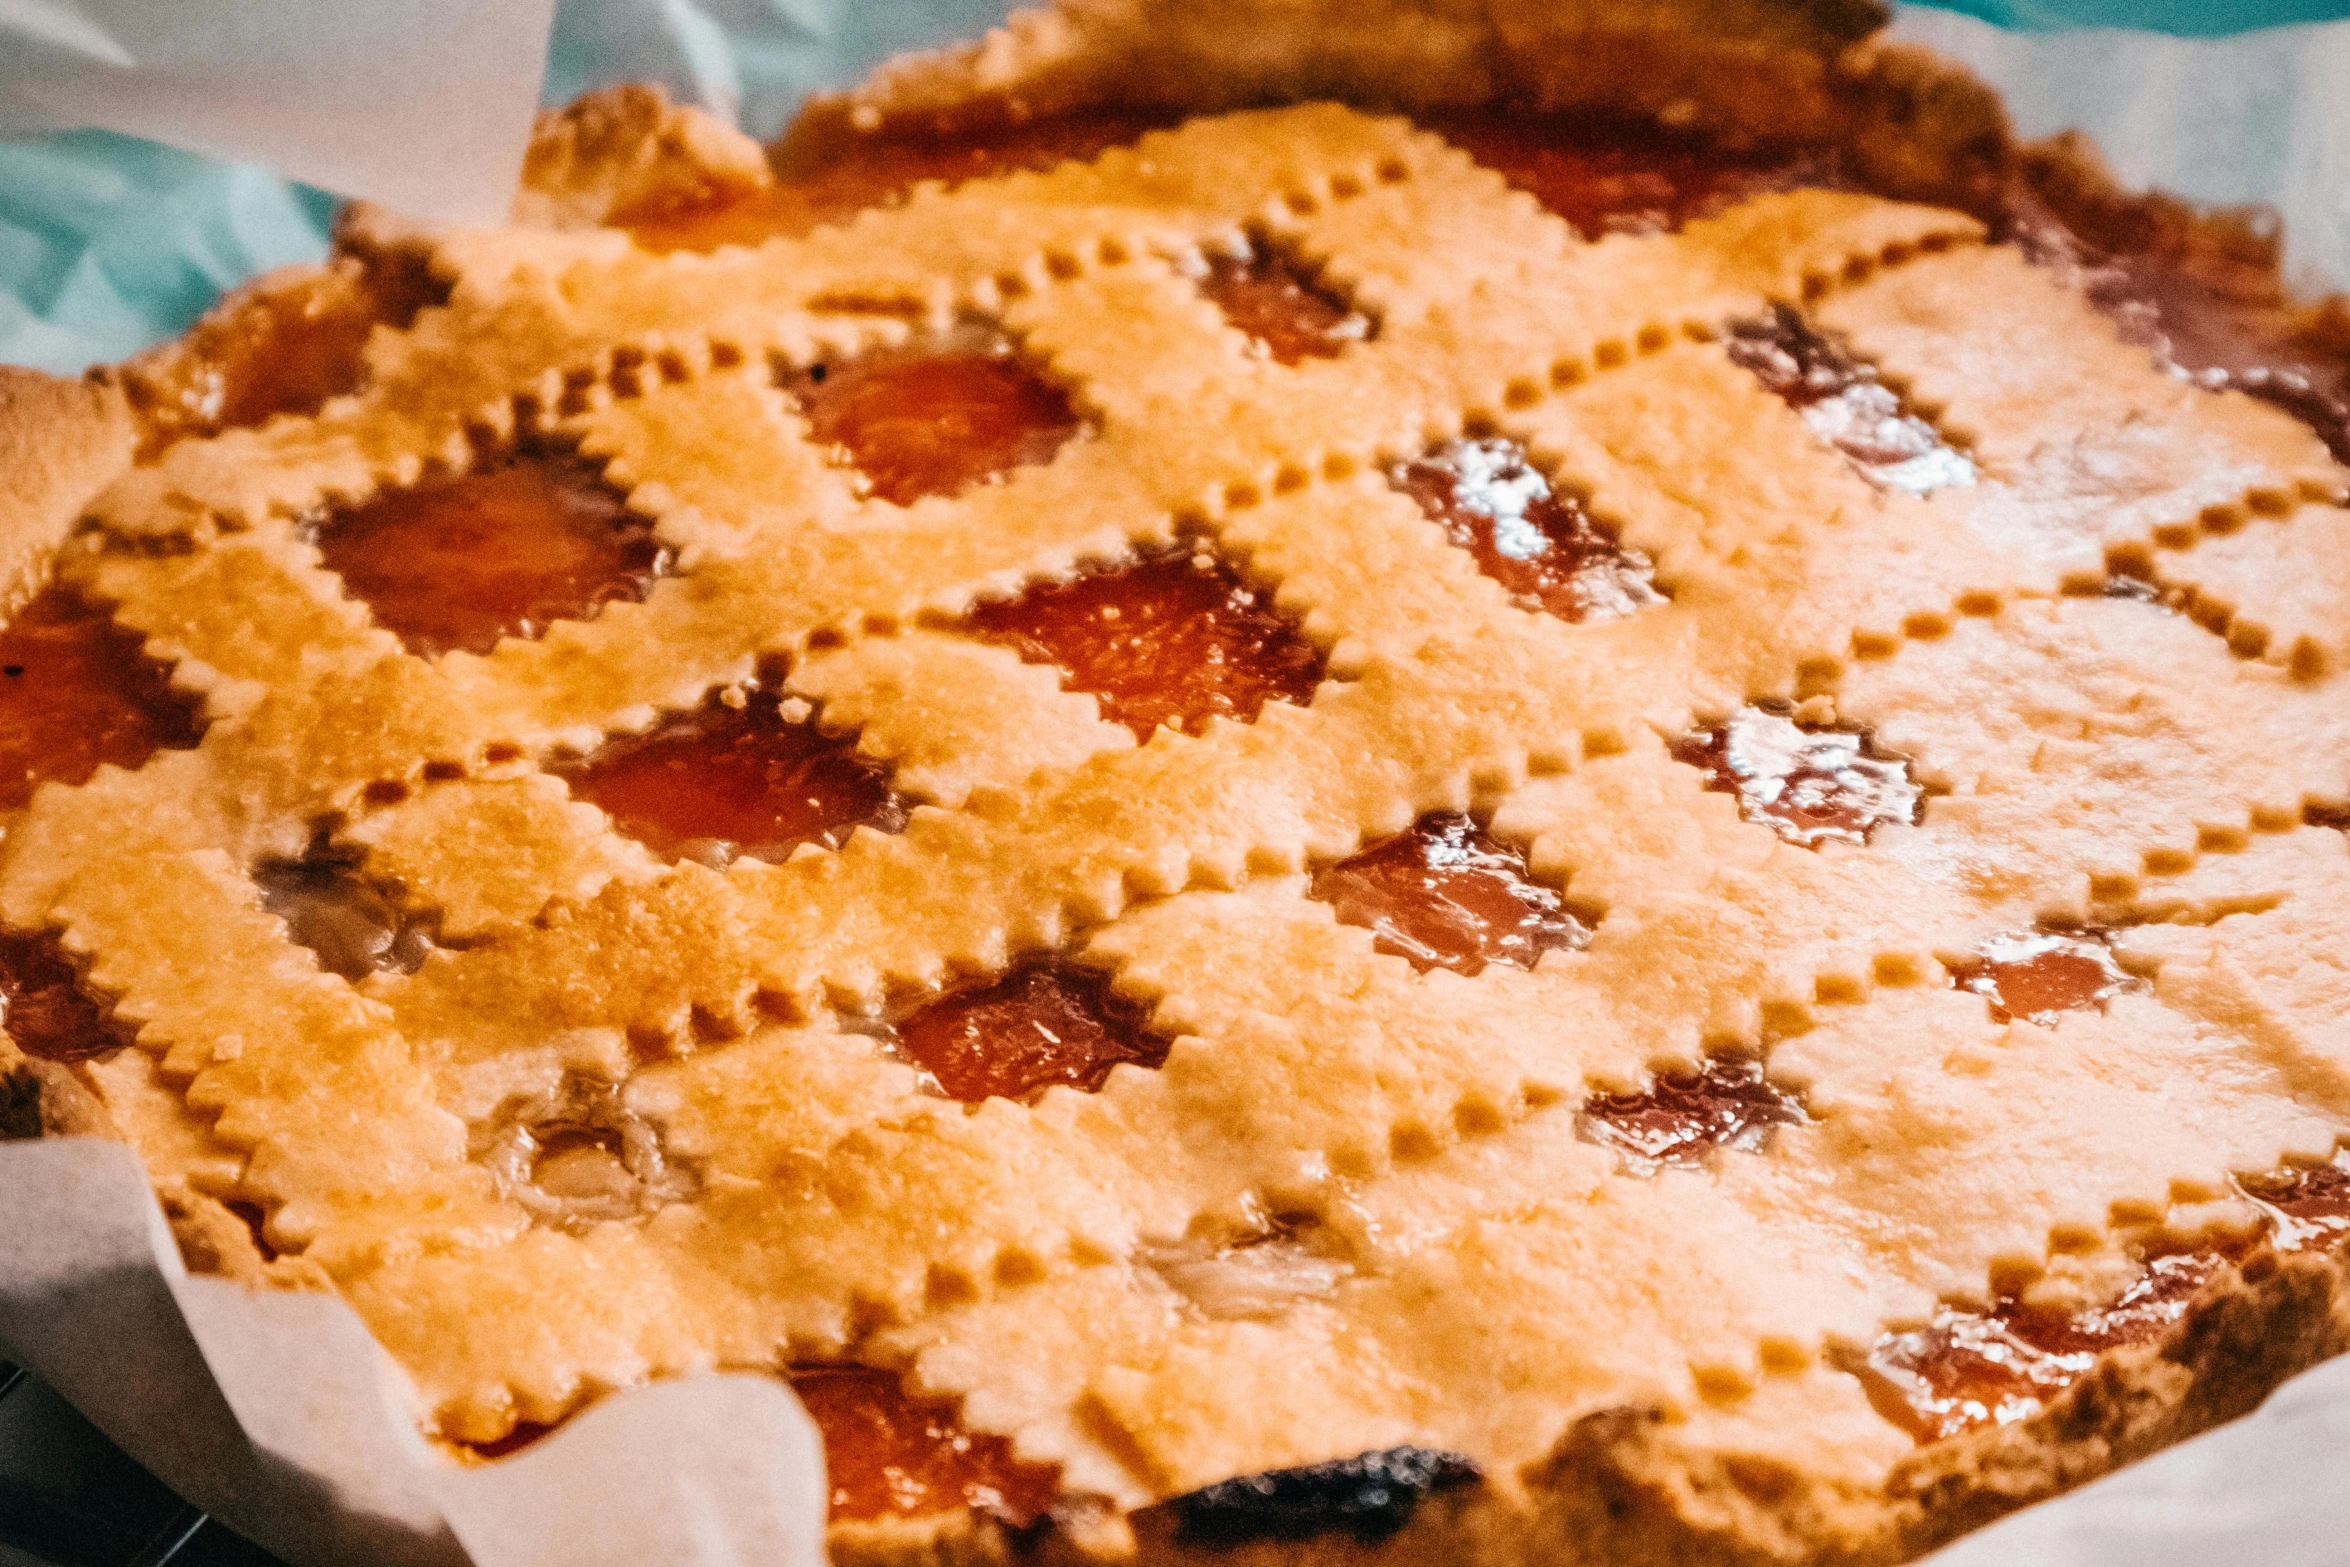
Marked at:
<point>61,442</point>
<point>1648,1368</point>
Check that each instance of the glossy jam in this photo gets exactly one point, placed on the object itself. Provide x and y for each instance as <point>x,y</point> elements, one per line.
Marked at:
<point>1683,1118</point>
<point>1810,786</point>
<point>1443,894</point>
<point>1845,404</point>
<point>1544,547</point>
<point>889,1454</point>
<point>350,924</point>
<point>1046,1021</point>
<point>741,775</point>
<point>285,351</point>
<point>2307,1206</point>
<point>1172,639</point>
<point>1617,177</point>
<point>832,179</point>
<point>46,1009</point>
<point>506,550</point>
<point>578,1157</point>
<point>2039,975</point>
<point>2207,315</point>
<point>1287,316</point>
<point>2139,590</point>
<point>76,690</point>
<point>935,414</point>
<point>1967,1369</point>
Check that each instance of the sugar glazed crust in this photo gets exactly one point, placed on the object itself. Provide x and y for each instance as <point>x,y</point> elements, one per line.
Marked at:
<point>1511,1345</point>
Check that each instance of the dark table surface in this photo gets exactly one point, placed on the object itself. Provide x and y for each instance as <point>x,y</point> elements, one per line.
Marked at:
<point>69,1498</point>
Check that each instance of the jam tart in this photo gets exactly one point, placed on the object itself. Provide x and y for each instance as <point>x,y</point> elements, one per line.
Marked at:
<point>1496,784</point>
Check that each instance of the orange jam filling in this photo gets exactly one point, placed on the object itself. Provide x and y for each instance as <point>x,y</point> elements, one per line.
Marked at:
<point>2307,1206</point>
<point>1966,1368</point>
<point>77,691</point>
<point>281,350</point>
<point>352,927</point>
<point>1623,177</point>
<point>1845,404</point>
<point>1810,786</point>
<point>45,1008</point>
<point>1682,1118</point>
<point>743,775</point>
<point>1172,639</point>
<point>1044,1022</point>
<point>1443,894</point>
<point>828,180</point>
<point>891,1454</point>
<point>935,414</point>
<point>2039,975</point>
<point>1544,547</point>
<point>520,542</point>
<point>1286,316</point>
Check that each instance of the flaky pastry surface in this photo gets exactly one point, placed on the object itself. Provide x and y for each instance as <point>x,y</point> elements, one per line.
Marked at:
<point>1508,1290</point>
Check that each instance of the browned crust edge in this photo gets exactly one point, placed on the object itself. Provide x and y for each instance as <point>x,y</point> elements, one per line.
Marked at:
<point>1619,1487</point>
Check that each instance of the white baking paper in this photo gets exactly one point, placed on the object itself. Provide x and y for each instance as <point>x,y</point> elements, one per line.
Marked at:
<point>423,105</point>
<point>277,1413</point>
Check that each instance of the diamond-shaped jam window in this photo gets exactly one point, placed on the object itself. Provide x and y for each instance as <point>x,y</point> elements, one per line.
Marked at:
<point>1172,638</point>
<point>2037,975</point>
<point>1045,1020</point>
<point>1287,315</point>
<point>1809,785</point>
<point>748,773</point>
<point>77,691</point>
<point>354,927</point>
<point>1625,177</point>
<point>520,541</point>
<point>1846,405</point>
<point>888,1452</point>
<point>46,1009</point>
<point>1541,545</point>
<point>1443,894</point>
<point>1682,1118</point>
<point>935,414</point>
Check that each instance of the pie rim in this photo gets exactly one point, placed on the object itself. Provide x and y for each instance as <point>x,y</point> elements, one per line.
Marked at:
<point>2095,1421</point>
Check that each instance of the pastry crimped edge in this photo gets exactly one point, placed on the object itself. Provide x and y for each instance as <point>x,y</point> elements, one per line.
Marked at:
<point>1617,1487</point>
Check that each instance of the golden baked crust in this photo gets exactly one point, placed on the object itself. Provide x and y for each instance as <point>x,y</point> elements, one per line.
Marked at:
<point>60,443</point>
<point>629,148</point>
<point>1660,1367</point>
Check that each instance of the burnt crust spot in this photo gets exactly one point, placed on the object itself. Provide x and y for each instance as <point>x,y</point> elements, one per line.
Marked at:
<point>1371,1496</point>
<point>20,1106</point>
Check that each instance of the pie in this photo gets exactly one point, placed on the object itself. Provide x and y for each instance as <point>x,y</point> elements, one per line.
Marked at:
<point>1504,784</point>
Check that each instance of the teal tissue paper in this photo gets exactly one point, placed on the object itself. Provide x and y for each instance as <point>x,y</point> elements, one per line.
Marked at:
<point>109,243</point>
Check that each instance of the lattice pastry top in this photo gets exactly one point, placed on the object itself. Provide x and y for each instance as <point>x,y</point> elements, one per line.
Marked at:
<point>1574,839</point>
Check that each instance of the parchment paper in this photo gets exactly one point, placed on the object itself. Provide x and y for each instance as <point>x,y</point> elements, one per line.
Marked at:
<point>423,105</point>
<point>277,1412</point>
